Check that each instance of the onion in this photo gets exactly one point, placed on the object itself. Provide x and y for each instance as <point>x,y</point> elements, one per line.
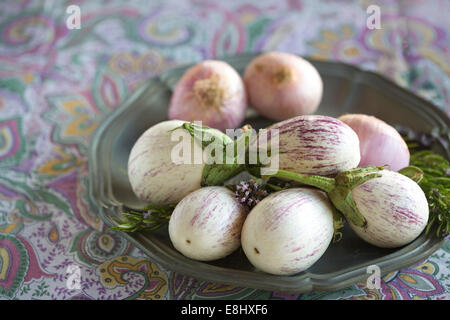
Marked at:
<point>206,225</point>
<point>211,92</point>
<point>288,231</point>
<point>312,144</point>
<point>154,175</point>
<point>385,208</point>
<point>282,85</point>
<point>379,143</point>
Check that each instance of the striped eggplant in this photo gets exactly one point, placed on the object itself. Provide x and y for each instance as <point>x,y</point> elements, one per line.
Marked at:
<point>155,173</point>
<point>395,208</point>
<point>288,231</point>
<point>206,225</point>
<point>311,144</point>
<point>154,177</point>
<point>384,208</point>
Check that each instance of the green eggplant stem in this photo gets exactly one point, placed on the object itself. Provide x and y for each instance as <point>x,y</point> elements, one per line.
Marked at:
<point>323,183</point>
<point>218,173</point>
<point>338,188</point>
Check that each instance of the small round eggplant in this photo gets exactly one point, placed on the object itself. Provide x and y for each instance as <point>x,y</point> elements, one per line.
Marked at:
<point>395,208</point>
<point>154,175</point>
<point>311,144</point>
<point>206,225</point>
<point>384,208</point>
<point>288,231</point>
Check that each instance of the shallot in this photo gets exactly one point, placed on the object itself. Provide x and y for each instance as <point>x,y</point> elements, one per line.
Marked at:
<point>211,92</point>
<point>206,224</point>
<point>288,231</point>
<point>282,85</point>
<point>379,143</point>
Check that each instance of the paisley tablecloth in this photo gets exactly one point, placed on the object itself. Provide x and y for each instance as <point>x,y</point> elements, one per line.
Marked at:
<point>58,83</point>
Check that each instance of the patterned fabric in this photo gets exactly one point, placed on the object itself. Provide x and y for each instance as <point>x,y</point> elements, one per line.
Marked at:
<point>57,84</point>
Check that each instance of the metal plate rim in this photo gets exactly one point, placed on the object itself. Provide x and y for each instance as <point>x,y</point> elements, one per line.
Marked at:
<point>304,282</point>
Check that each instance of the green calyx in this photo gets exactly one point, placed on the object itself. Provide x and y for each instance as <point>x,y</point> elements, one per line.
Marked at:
<point>224,157</point>
<point>205,135</point>
<point>338,223</point>
<point>339,189</point>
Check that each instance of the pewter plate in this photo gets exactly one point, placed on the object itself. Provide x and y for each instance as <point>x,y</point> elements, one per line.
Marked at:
<point>347,89</point>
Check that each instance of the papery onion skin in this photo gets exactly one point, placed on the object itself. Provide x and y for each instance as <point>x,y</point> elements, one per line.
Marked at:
<point>211,92</point>
<point>206,224</point>
<point>288,231</point>
<point>379,143</point>
<point>395,208</point>
<point>314,145</point>
<point>282,85</point>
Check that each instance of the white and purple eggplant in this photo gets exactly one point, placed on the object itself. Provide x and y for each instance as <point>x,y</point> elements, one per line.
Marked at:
<point>288,231</point>
<point>159,177</point>
<point>395,209</point>
<point>206,224</point>
<point>384,208</point>
<point>311,144</point>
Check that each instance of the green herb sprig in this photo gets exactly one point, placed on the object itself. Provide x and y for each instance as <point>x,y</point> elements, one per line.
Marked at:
<point>434,178</point>
<point>150,218</point>
<point>436,185</point>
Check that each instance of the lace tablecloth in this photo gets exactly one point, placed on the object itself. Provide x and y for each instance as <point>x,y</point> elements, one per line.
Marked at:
<point>57,83</point>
